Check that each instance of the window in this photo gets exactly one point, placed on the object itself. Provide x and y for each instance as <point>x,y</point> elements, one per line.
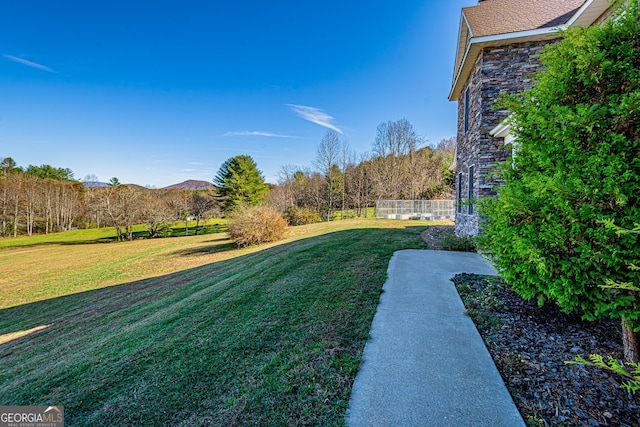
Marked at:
<point>466,110</point>
<point>459,193</point>
<point>471,183</point>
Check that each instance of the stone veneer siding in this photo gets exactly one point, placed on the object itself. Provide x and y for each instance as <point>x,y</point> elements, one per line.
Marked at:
<point>505,69</point>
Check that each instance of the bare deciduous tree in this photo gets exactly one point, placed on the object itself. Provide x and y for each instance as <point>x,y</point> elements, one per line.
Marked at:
<point>346,160</point>
<point>8,192</point>
<point>121,207</point>
<point>359,186</point>
<point>289,196</point>
<point>202,205</point>
<point>30,195</point>
<point>393,167</point>
<point>156,213</point>
<point>328,156</point>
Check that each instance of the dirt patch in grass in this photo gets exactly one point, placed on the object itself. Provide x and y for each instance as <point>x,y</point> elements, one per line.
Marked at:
<point>434,236</point>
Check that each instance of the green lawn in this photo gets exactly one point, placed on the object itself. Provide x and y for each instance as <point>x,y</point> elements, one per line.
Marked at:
<point>108,234</point>
<point>351,214</point>
<point>189,331</point>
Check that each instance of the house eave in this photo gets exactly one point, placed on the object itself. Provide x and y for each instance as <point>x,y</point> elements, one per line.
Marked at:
<point>590,12</point>
<point>503,128</point>
<point>478,43</point>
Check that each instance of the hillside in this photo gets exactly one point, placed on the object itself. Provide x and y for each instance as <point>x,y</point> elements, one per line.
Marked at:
<point>191,331</point>
<point>95,184</point>
<point>192,185</point>
<point>188,185</point>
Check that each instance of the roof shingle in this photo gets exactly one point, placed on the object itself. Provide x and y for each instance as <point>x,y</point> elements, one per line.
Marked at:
<point>492,17</point>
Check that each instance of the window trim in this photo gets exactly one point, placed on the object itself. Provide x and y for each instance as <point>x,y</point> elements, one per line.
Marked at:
<point>470,186</point>
<point>466,110</point>
<point>459,194</point>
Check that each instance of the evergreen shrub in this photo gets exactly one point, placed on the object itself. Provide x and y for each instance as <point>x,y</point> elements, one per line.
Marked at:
<point>577,167</point>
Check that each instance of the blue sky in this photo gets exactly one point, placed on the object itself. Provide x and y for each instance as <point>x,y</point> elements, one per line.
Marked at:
<point>157,92</point>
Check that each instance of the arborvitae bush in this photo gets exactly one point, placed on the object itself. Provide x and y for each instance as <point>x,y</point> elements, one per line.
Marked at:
<point>301,216</point>
<point>577,167</point>
<point>255,225</point>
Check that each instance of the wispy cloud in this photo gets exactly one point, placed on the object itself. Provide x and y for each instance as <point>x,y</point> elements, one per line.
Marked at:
<point>314,115</point>
<point>240,150</point>
<point>257,133</point>
<point>30,63</point>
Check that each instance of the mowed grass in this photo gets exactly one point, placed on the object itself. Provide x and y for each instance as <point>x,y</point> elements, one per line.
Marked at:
<point>45,266</point>
<point>108,234</point>
<point>190,331</point>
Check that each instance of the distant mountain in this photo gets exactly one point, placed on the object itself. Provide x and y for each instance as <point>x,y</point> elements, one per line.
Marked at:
<point>139,187</point>
<point>189,185</point>
<point>94,184</point>
<point>192,185</point>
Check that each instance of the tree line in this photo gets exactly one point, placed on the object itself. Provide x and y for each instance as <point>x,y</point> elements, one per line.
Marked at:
<point>400,166</point>
<point>45,199</point>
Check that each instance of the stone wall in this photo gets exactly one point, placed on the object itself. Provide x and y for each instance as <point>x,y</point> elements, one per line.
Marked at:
<point>497,71</point>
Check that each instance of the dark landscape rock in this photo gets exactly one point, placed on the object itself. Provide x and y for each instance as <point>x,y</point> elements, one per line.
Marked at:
<point>530,344</point>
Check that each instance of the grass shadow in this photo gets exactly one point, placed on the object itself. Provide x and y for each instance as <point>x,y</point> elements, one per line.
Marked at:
<point>59,238</point>
<point>206,250</point>
<point>264,338</point>
<point>200,230</point>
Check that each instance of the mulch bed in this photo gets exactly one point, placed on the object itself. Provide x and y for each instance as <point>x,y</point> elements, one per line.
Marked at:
<point>530,344</point>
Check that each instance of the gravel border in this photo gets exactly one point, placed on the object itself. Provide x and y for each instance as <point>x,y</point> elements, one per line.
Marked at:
<point>530,345</point>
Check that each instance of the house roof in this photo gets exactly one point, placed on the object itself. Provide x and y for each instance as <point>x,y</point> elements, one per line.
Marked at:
<point>495,23</point>
<point>491,17</point>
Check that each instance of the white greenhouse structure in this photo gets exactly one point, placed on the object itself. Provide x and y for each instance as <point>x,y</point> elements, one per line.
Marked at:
<point>428,210</point>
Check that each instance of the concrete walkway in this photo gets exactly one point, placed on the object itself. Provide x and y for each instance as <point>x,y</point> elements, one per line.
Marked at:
<point>425,363</point>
